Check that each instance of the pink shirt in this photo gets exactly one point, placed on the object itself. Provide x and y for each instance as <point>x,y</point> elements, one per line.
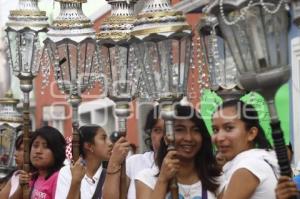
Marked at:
<point>44,189</point>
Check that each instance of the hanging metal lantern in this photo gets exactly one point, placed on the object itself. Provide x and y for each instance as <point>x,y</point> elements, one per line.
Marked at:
<point>24,30</point>
<point>119,62</point>
<point>120,65</point>
<point>71,48</point>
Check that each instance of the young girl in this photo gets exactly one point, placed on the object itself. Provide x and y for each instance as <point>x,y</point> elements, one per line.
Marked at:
<point>85,178</point>
<point>154,129</point>
<point>12,185</point>
<point>47,154</point>
<point>251,170</point>
<point>192,163</point>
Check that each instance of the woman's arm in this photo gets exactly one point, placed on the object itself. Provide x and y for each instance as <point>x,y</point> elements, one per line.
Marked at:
<point>78,172</point>
<point>145,192</point>
<point>24,178</point>
<point>111,186</point>
<point>169,168</point>
<point>238,187</point>
<point>4,193</point>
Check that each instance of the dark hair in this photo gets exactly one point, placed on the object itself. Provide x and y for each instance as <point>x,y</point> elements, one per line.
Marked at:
<point>87,134</point>
<point>205,161</point>
<point>56,143</point>
<point>249,116</point>
<point>19,142</point>
<point>151,120</point>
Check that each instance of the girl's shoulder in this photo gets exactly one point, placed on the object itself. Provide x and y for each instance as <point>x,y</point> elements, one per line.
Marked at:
<point>148,176</point>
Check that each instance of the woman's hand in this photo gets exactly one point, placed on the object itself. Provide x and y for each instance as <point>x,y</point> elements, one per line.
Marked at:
<point>24,177</point>
<point>285,188</point>
<point>119,151</point>
<point>170,167</point>
<point>78,170</point>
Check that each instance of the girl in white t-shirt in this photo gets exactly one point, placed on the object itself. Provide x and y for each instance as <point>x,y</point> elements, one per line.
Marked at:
<point>192,162</point>
<point>12,185</point>
<point>251,169</point>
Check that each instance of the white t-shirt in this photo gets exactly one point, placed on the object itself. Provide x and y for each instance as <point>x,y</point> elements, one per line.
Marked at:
<point>261,163</point>
<point>135,164</point>
<point>87,186</point>
<point>14,183</point>
<point>194,191</point>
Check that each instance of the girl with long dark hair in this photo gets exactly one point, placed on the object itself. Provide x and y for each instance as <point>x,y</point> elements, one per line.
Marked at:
<point>192,162</point>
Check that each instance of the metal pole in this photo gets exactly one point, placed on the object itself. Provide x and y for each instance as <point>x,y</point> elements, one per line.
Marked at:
<point>26,87</point>
<point>122,112</point>
<point>75,101</point>
<point>167,114</point>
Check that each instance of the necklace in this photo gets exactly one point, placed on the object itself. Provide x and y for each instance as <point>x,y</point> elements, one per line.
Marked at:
<point>186,191</point>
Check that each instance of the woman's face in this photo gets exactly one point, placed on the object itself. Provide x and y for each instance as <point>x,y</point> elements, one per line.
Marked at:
<point>188,138</point>
<point>230,134</point>
<point>102,145</point>
<point>157,133</point>
<point>41,155</point>
<point>19,156</point>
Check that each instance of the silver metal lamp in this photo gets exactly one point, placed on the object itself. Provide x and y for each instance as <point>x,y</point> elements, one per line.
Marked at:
<point>257,35</point>
<point>164,44</point>
<point>120,65</point>
<point>10,121</point>
<point>215,54</point>
<point>71,50</point>
<point>23,29</point>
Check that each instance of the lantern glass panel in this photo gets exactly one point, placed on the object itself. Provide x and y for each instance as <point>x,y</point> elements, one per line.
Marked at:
<point>121,70</point>
<point>75,64</point>
<point>259,40</point>
<point>165,64</point>
<point>216,54</point>
<point>24,51</point>
<point>7,139</point>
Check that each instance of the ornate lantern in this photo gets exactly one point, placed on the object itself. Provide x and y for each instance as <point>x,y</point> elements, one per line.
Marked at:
<point>24,28</point>
<point>117,56</point>
<point>71,48</point>
<point>10,120</point>
<point>164,48</point>
<point>257,35</point>
<point>120,65</point>
<point>215,55</point>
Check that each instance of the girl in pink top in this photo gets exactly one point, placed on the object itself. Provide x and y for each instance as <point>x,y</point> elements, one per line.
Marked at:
<point>47,154</point>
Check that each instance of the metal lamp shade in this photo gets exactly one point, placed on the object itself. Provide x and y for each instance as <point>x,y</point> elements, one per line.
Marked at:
<point>164,48</point>
<point>166,64</point>
<point>116,54</point>
<point>24,28</point>
<point>75,64</point>
<point>121,69</point>
<point>259,45</point>
<point>24,52</point>
<point>72,49</point>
